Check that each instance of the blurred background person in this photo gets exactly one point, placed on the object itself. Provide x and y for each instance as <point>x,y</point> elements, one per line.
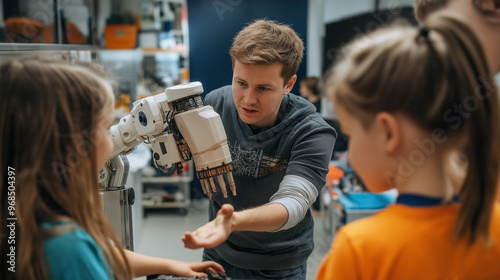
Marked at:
<point>310,90</point>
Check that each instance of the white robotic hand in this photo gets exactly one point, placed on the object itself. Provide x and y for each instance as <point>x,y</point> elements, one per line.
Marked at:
<point>178,126</point>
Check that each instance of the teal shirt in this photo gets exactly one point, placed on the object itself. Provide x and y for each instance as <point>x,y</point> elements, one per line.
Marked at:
<point>73,255</point>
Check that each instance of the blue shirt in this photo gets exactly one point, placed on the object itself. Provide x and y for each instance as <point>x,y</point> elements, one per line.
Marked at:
<point>73,254</point>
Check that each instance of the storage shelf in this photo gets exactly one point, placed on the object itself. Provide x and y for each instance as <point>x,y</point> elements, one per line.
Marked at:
<point>43,47</point>
<point>181,181</point>
<point>152,51</point>
<point>174,179</point>
<point>151,205</point>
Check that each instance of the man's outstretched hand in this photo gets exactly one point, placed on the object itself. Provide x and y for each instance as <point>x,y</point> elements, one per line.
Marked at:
<point>213,233</point>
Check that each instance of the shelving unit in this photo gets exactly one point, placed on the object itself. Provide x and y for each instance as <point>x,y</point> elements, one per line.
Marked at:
<point>153,51</point>
<point>161,57</point>
<point>181,197</point>
<point>167,65</point>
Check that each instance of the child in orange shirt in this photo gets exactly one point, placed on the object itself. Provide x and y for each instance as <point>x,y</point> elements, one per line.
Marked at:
<point>421,109</point>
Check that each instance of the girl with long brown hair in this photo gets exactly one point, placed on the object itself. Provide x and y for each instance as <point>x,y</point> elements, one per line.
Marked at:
<point>54,121</point>
<point>421,110</point>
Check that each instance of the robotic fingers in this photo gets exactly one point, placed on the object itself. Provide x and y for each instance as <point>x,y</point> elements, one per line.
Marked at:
<point>208,184</point>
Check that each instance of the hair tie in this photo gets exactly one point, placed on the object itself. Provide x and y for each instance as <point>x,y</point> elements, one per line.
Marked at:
<point>423,31</point>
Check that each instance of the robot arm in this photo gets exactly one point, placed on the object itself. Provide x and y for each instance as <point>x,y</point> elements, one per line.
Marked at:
<point>178,126</point>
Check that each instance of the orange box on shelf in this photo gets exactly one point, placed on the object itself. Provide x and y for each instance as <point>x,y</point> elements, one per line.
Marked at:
<point>120,36</point>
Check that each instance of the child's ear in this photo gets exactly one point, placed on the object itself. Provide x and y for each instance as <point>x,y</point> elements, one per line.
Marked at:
<point>490,9</point>
<point>390,130</point>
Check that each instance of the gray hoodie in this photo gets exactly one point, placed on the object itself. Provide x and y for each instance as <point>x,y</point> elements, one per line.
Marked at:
<point>300,143</point>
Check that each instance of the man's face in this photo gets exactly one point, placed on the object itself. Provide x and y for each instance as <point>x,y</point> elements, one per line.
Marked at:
<point>258,91</point>
<point>484,17</point>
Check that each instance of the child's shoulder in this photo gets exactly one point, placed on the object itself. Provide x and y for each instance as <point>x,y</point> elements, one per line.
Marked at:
<point>495,217</point>
<point>68,235</point>
<point>378,220</point>
<point>400,220</point>
<point>496,208</point>
<point>70,252</point>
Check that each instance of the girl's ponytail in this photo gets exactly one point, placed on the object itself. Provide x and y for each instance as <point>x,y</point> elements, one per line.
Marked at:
<point>479,104</point>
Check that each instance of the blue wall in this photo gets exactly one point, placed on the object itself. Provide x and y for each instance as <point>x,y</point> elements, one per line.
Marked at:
<point>212,27</point>
<point>214,23</point>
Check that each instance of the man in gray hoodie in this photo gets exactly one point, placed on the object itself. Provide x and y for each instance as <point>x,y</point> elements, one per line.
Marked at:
<point>281,150</point>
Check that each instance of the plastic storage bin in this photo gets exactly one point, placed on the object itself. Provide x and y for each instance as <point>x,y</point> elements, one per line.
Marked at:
<point>120,36</point>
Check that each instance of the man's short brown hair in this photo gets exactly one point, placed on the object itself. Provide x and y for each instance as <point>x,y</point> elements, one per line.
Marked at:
<point>423,8</point>
<point>268,42</point>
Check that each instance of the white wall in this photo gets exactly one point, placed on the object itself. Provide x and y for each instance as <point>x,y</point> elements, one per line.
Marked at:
<point>322,12</point>
<point>315,34</point>
<point>338,9</point>
<point>391,4</point>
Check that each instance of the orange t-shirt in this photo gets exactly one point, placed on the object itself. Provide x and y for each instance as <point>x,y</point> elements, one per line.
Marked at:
<point>405,242</point>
